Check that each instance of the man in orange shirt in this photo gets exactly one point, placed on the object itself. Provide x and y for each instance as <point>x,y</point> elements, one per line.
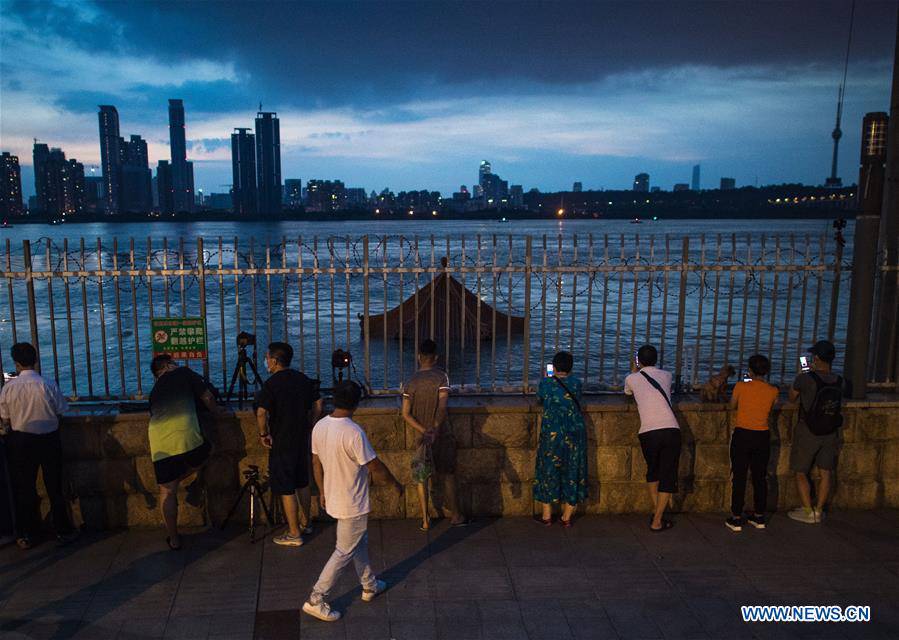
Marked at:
<point>750,446</point>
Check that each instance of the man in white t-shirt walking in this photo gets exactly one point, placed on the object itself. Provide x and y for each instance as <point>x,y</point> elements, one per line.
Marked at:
<point>342,459</point>
<point>659,434</point>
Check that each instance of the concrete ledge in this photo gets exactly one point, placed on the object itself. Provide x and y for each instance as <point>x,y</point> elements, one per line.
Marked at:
<point>109,476</point>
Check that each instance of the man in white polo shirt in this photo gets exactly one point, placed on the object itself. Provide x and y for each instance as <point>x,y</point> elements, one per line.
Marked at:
<point>659,435</point>
<point>30,406</point>
<point>342,459</point>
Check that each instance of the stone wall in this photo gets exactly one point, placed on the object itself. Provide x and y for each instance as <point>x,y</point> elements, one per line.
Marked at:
<point>110,480</point>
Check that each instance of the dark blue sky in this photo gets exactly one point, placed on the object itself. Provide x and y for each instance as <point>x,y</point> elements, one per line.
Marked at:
<point>408,95</point>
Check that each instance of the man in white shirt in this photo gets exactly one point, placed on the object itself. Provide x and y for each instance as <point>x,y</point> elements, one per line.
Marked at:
<point>660,437</point>
<point>342,459</point>
<point>30,406</point>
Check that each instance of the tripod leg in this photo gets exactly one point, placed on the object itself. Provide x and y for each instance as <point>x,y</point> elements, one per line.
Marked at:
<point>234,506</point>
<point>253,498</point>
<point>234,377</point>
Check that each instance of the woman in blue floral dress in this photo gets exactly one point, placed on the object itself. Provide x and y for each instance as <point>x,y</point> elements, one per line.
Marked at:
<point>561,470</point>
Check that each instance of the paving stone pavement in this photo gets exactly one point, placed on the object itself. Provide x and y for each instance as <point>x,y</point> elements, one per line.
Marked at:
<point>606,577</point>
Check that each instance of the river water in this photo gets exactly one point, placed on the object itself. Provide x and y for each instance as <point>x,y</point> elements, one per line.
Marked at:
<point>726,317</point>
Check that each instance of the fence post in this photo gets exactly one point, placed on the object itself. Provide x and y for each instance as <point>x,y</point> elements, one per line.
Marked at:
<point>32,309</point>
<point>681,314</point>
<point>201,269</point>
<point>835,289</point>
<point>366,333</point>
<point>526,350</point>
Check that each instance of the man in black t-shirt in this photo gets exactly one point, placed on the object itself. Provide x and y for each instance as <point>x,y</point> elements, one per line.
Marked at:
<point>289,405</point>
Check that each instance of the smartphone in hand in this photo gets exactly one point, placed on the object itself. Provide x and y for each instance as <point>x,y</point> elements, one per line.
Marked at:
<point>803,363</point>
<point>550,370</point>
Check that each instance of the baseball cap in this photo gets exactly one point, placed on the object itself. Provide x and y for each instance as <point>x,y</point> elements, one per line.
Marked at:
<point>824,350</point>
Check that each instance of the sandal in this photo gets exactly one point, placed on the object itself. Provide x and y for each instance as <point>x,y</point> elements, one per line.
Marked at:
<point>545,523</point>
<point>666,524</point>
<point>565,523</point>
<point>172,546</point>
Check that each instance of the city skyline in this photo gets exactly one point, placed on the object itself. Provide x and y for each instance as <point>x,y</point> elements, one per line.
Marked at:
<point>423,122</point>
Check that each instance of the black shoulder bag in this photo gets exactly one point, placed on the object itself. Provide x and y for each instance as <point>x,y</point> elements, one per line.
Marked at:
<point>658,388</point>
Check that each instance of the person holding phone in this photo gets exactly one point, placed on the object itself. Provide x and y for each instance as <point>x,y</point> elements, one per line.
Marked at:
<point>819,392</point>
<point>561,468</point>
<point>750,443</point>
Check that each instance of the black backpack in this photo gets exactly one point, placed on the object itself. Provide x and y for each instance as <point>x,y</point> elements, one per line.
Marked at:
<point>826,413</point>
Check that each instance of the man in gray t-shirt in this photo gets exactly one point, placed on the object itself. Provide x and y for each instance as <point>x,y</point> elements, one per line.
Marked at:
<point>809,449</point>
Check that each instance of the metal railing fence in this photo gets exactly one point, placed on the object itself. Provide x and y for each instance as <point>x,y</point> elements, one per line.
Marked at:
<point>703,300</point>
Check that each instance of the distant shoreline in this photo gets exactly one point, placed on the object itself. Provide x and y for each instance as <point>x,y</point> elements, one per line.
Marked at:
<point>509,216</point>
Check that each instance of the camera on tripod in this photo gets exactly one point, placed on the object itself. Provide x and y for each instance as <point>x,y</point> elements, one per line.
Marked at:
<point>245,340</point>
<point>251,472</point>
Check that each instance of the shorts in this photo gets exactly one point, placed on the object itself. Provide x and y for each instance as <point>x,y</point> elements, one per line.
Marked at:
<point>175,467</point>
<point>444,452</point>
<point>661,450</point>
<point>809,450</point>
<point>288,469</point>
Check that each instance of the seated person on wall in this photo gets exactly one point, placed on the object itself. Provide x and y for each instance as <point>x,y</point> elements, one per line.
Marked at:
<point>30,406</point>
<point>659,434</point>
<point>816,435</point>
<point>561,470</point>
<point>750,443</point>
<point>177,446</point>
<point>425,395</point>
<point>289,404</point>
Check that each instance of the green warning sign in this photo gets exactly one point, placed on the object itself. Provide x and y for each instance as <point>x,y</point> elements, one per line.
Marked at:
<point>181,338</point>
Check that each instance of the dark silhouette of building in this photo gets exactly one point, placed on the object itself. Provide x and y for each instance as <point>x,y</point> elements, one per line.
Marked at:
<point>60,183</point>
<point>293,193</point>
<point>356,198</point>
<point>681,186</point>
<point>694,183</point>
<point>110,156</point>
<point>728,183</point>
<point>165,190</point>
<point>243,168</point>
<point>182,171</point>
<point>641,182</point>
<point>516,196</point>
<point>10,186</point>
<point>577,187</point>
<point>135,195</point>
<point>325,195</point>
<point>93,193</point>
<point>40,156</point>
<point>268,162</point>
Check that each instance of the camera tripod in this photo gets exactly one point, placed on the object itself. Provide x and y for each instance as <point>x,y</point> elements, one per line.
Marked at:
<point>254,488</point>
<point>240,374</point>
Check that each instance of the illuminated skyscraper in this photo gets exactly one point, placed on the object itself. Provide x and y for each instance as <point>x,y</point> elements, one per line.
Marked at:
<point>110,156</point>
<point>10,186</point>
<point>243,168</point>
<point>293,193</point>
<point>268,162</point>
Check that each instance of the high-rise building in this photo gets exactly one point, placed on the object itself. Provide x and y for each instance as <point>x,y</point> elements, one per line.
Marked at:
<point>577,187</point>
<point>182,170</point>
<point>40,155</point>
<point>694,184</point>
<point>268,162</point>
<point>62,184</point>
<point>165,191</point>
<point>641,182</point>
<point>681,186</point>
<point>10,186</point>
<point>516,196</point>
<point>243,169</point>
<point>356,198</point>
<point>135,195</point>
<point>728,184</point>
<point>484,170</point>
<point>93,192</point>
<point>293,193</point>
<point>110,156</point>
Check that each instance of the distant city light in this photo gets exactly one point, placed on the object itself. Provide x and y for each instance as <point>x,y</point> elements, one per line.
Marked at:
<point>560,212</point>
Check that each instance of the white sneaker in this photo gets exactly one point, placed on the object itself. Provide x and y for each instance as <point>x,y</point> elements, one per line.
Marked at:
<point>801,514</point>
<point>322,611</point>
<point>368,596</point>
<point>287,540</point>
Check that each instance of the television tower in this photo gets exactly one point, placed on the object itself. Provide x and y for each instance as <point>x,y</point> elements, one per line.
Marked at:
<point>833,181</point>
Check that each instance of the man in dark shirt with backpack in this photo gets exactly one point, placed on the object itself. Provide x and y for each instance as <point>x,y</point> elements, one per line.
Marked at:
<point>815,438</point>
